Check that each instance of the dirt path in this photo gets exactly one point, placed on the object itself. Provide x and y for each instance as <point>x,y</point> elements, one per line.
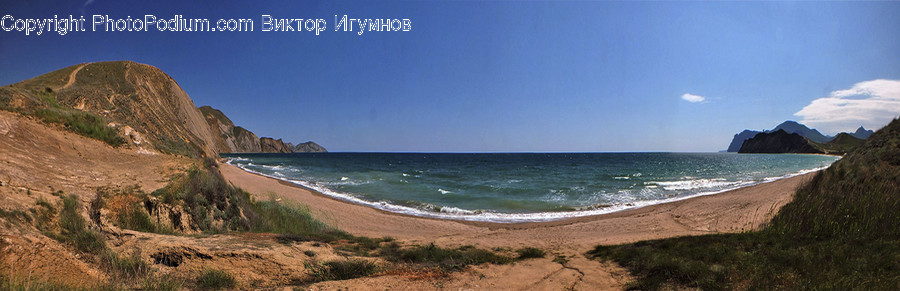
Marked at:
<point>72,77</point>
<point>731,211</point>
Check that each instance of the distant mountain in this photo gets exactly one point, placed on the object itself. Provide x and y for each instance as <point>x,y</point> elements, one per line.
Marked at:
<point>778,142</point>
<point>791,126</point>
<point>862,133</point>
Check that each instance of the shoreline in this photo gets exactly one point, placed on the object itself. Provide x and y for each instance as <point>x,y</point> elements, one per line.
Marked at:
<point>730,211</point>
<point>508,218</point>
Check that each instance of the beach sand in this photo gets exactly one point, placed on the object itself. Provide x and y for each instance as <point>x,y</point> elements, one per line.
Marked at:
<point>732,211</point>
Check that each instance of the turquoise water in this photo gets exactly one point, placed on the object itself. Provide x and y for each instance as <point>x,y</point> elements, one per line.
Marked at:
<point>523,187</point>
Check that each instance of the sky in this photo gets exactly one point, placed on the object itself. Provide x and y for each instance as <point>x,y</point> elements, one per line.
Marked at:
<point>506,76</point>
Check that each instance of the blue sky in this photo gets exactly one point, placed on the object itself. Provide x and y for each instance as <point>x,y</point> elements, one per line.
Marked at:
<point>508,76</point>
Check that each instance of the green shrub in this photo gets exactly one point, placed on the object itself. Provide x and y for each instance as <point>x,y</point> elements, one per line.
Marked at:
<point>74,228</point>
<point>83,123</point>
<point>530,253</point>
<point>215,279</point>
<point>161,283</point>
<point>341,270</point>
<point>444,258</point>
<point>204,191</point>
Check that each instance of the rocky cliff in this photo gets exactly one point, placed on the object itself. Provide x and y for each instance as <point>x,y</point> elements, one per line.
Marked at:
<point>235,139</point>
<point>229,138</point>
<point>145,105</point>
<point>271,145</point>
<point>778,142</point>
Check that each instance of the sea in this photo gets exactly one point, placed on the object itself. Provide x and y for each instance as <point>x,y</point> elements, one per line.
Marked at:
<point>523,187</point>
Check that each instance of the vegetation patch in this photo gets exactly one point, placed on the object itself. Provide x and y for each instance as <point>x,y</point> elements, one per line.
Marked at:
<point>215,279</point>
<point>341,270</point>
<point>74,231</point>
<point>217,206</point>
<point>446,259</point>
<point>530,253</point>
<point>83,123</point>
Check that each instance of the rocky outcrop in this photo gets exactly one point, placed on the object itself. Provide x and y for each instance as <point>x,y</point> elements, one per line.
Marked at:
<point>130,94</point>
<point>270,145</point>
<point>307,147</point>
<point>173,217</point>
<point>778,142</point>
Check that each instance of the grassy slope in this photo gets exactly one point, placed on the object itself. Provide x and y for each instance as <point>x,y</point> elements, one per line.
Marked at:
<point>841,144</point>
<point>841,231</point>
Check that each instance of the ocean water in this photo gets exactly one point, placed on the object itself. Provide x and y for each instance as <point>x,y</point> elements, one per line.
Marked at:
<point>521,187</point>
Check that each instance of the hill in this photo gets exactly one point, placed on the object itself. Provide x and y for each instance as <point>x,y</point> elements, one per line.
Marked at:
<point>128,104</point>
<point>135,101</point>
<point>841,144</point>
<point>782,142</point>
<point>778,142</point>
<point>817,138</point>
<point>307,147</point>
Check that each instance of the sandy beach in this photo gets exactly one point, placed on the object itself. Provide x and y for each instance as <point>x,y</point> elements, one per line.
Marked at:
<point>732,211</point>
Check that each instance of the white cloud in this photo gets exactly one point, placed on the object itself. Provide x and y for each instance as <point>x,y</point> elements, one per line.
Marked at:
<point>871,104</point>
<point>692,98</point>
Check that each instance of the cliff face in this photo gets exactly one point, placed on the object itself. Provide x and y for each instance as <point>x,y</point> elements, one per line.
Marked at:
<point>235,139</point>
<point>270,145</point>
<point>245,141</point>
<point>307,147</point>
<point>229,138</point>
<point>778,142</point>
<point>146,105</point>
